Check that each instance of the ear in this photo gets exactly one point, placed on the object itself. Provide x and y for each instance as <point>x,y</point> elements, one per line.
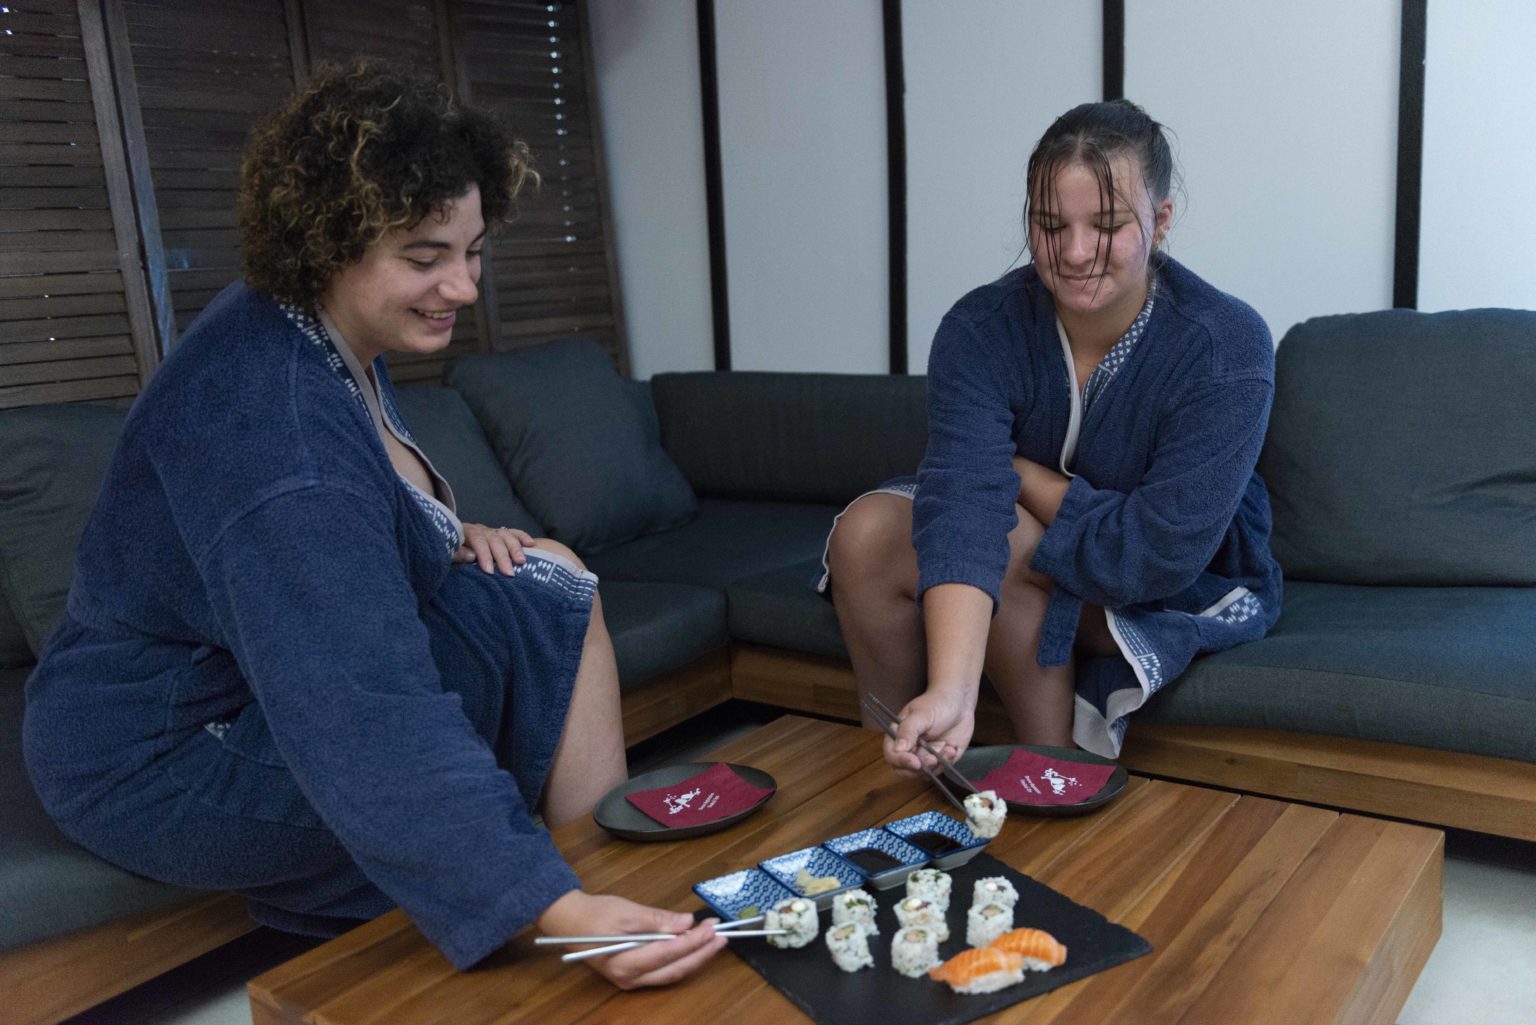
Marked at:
<point>1162,220</point>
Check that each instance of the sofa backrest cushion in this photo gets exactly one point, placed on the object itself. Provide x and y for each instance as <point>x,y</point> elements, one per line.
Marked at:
<point>791,437</point>
<point>15,652</point>
<point>54,460</point>
<point>1402,448</point>
<point>574,442</point>
<point>451,437</point>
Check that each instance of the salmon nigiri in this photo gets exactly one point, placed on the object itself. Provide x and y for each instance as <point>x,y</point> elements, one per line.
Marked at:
<point>980,970</point>
<point>1038,948</point>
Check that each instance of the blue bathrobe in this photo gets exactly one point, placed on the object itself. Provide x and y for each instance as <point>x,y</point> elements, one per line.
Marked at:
<point>1165,523</point>
<point>272,679</point>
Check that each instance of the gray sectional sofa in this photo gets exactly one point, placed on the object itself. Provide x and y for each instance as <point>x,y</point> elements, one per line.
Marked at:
<point>1400,680</point>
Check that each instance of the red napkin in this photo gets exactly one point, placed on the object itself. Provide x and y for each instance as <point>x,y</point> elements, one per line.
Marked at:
<point>708,796</point>
<point>1029,778</point>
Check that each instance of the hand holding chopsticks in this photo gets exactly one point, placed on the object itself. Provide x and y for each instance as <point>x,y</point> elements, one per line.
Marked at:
<point>618,943</point>
<point>890,722</point>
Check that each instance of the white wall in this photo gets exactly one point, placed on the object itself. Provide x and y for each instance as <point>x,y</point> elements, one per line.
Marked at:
<point>1286,122</point>
<point>984,80</point>
<point>1478,215</point>
<point>647,71</point>
<point>803,161</point>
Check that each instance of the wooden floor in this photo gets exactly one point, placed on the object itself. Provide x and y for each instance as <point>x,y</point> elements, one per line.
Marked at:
<point>1258,910</point>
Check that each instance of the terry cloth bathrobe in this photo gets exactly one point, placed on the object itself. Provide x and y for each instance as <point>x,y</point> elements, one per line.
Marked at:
<point>1165,523</point>
<point>272,679</point>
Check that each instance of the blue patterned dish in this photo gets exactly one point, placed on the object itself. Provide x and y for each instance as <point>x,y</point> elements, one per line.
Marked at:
<point>819,862</point>
<point>944,825</point>
<point>909,857</point>
<point>741,894</point>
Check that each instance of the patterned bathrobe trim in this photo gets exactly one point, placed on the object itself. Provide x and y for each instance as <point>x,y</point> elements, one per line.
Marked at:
<point>906,487</point>
<point>380,409</point>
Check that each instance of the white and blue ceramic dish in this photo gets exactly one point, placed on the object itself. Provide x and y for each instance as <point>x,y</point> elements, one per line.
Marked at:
<point>742,894</point>
<point>908,857</point>
<point>819,862</point>
<point>969,844</point>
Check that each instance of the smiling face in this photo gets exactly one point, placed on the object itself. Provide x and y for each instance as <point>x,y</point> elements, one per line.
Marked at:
<point>1093,254</point>
<point>404,294</point>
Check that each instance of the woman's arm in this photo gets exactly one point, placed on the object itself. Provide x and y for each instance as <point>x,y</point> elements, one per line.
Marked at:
<point>956,619</point>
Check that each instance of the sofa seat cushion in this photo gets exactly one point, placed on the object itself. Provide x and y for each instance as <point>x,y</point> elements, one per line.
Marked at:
<point>48,885</point>
<point>727,541</point>
<point>657,628</point>
<point>780,608</point>
<point>1452,668</point>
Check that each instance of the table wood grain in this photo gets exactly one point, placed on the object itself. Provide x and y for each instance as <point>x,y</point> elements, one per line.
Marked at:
<point>1257,910</point>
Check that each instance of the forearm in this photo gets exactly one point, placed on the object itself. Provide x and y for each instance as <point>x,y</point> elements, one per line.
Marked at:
<point>1041,489</point>
<point>956,620</point>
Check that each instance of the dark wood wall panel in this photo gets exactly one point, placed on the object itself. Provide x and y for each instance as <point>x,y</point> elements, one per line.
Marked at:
<point>204,73</point>
<point>65,332</point>
<point>550,270</point>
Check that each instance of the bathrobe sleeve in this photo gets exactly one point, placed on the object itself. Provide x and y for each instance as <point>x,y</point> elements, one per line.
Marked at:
<point>967,490</point>
<point>1114,549</point>
<point>311,591</point>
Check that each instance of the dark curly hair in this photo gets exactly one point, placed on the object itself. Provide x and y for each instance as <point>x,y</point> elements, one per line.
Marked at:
<point>361,150</point>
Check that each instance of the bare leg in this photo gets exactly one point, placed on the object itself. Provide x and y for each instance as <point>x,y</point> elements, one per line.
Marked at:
<point>874,590</point>
<point>1039,700</point>
<point>589,760</point>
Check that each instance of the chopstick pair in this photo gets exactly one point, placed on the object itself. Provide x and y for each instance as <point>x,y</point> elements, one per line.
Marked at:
<point>629,941</point>
<point>889,721</point>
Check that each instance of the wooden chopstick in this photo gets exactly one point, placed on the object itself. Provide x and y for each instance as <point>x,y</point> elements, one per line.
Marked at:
<point>890,717</point>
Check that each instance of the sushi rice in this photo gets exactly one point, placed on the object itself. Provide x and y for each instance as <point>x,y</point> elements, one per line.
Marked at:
<point>995,890</point>
<point>985,812</point>
<point>798,917</point>
<point>917,911</point>
<point>930,884</point>
<point>856,907</point>
<point>849,945</point>
<point>915,950</point>
<point>986,922</point>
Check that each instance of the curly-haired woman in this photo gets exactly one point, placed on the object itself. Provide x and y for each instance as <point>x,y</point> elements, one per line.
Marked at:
<point>272,677</point>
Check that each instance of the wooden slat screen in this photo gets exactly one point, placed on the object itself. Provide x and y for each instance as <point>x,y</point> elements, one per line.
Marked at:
<point>65,330</point>
<point>550,271</point>
<point>116,230</point>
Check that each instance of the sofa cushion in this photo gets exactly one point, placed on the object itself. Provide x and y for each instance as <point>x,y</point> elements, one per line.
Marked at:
<point>451,437</point>
<point>571,439</point>
<point>55,460</point>
<point>48,885</point>
<point>791,437</point>
<point>781,609</point>
<point>726,541</point>
<point>1401,449</point>
<point>1447,668</point>
<point>14,650</point>
<point>657,628</point>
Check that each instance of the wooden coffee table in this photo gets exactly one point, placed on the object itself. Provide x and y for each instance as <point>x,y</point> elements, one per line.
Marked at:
<point>1257,910</point>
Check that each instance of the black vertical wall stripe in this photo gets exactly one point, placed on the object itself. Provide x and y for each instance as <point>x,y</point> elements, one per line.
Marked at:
<point>709,89</point>
<point>1410,155</point>
<point>896,181</point>
<point>1114,49</point>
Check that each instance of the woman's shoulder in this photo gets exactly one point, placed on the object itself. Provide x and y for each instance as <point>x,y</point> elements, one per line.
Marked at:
<point>1237,338</point>
<point>1017,291</point>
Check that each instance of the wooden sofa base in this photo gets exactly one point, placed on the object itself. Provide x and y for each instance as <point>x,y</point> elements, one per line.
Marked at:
<point>50,981</point>
<point>1487,795</point>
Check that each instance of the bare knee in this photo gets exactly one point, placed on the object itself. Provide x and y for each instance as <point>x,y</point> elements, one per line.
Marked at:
<point>552,547</point>
<point>872,538</point>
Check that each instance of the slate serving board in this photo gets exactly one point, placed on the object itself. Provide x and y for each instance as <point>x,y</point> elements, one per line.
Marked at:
<point>883,996</point>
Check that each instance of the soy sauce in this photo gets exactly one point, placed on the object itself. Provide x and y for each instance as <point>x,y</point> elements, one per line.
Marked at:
<point>934,842</point>
<point>872,860</point>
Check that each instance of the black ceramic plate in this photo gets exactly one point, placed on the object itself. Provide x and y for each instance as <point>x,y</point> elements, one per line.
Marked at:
<point>615,814</point>
<point>979,761</point>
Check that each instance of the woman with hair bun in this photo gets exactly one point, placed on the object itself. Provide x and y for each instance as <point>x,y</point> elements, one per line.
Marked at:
<point>287,668</point>
<point>1088,490</point>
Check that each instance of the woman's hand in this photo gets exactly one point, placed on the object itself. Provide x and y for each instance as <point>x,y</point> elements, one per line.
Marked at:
<point>944,719</point>
<point>655,964</point>
<point>494,547</point>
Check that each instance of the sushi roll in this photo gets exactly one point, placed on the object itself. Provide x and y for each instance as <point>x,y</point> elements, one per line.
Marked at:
<point>986,922</point>
<point>1040,949</point>
<point>855,907</point>
<point>995,890</point>
<point>798,917</point>
<point>849,945</point>
<point>916,911</point>
<point>930,884</point>
<point>985,812</point>
<point>915,950</point>
<point>980,970</point>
